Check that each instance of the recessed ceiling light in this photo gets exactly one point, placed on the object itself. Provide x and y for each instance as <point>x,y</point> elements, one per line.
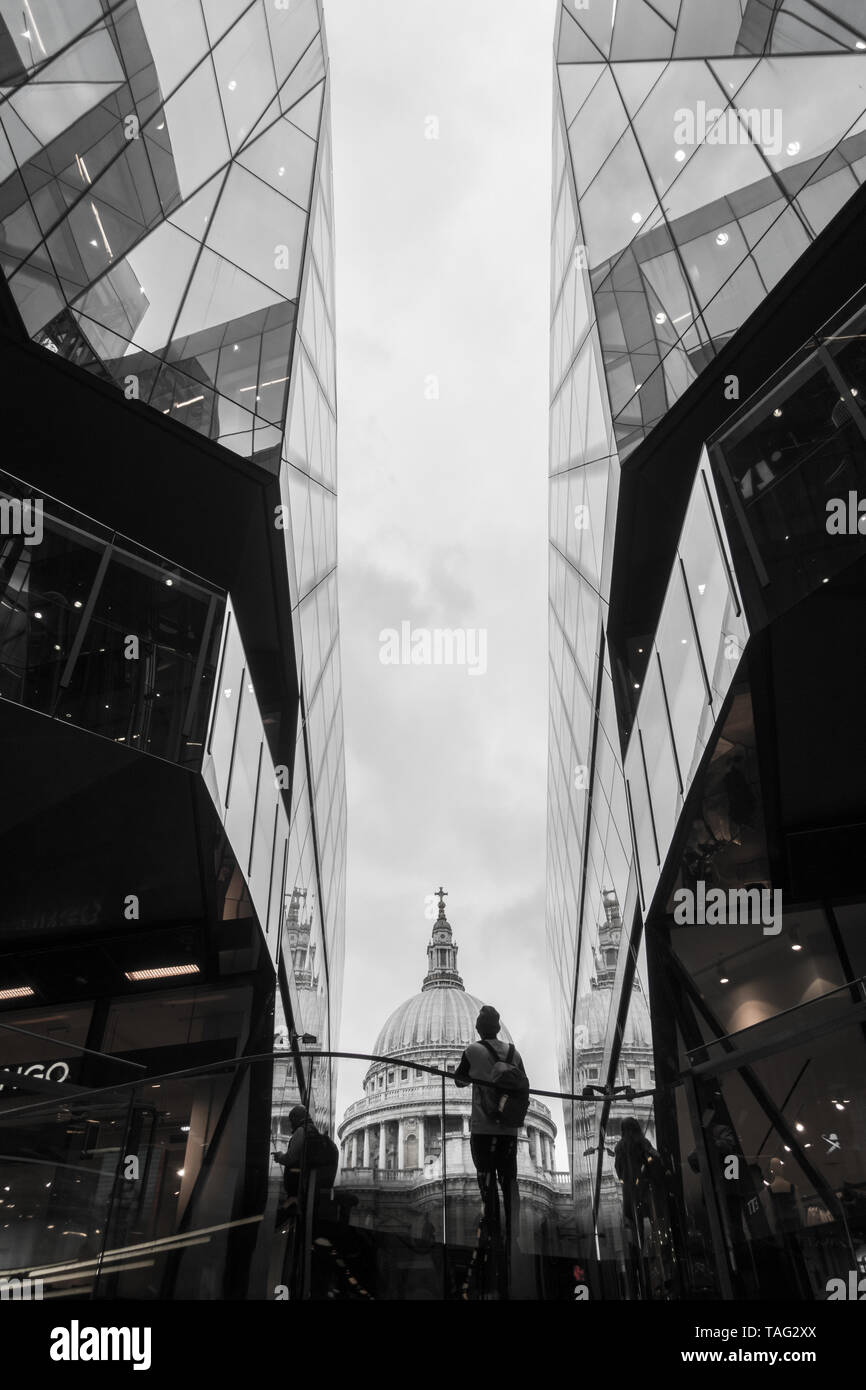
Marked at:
<point>794,147</point>
<point>636,217</point>
<point>778,412</point>
<point>661,317</point>
<point>232,85</point>
<point>162,972</point>
<point>860,44</point>
<point>680,156</point>
<point>37,614</point>
<point>722,239</point>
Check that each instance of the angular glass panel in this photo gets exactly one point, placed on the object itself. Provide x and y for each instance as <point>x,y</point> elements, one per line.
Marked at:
<point>640,32</point>
<point>291,31</point>
<point>245,74</point>
<point>194,119</point>
<point>162,264</point>
<point>309,70</point>
<point>176,38</point>
<point>619,201</point>
<point>306,113</point>
<point>284,157</point>
<point>703,30</point>
<point>255,227</point>
<point>221,14</point>
<point>45,27</point>
<point>47,110</point>
<point>576,81</point>
<point>218,293</point>
<point>602,122</point>
<point>574,45</point>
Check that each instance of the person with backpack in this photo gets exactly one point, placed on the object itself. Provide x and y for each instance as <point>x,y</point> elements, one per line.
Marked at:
<point>309,1169</point>
<point>500,1100</point>
<point>309,1151</point>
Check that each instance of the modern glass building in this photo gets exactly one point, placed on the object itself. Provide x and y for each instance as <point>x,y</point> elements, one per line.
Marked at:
<point>707,903</point>
<point>174,803</point>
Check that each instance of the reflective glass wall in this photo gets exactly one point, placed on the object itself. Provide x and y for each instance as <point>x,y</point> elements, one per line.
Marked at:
<point>691,170</point>
<point>167,225</point>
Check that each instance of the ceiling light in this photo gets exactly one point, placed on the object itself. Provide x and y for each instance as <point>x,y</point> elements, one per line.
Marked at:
<point>860,44</point>
<point>794,147</point>
<point>37,614</point>
<point>281,170</point>
<point>636,217</point>
<point>57,646</point>
<point>232,85</point>
<point>799,1127</point>
<point>16,992</point>
<point>77,603</point>
<point>161,125</point>
<point>661,317</point>
<point>722,238</point>
<point>778,412</point>
<point>180,1172</point>
<point>169,582</point>
<point>162,972</point>
<point>680,156</point>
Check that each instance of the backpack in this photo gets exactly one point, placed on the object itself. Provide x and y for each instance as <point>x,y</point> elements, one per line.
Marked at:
<point>322,1153</point>
<point>508,1103</point>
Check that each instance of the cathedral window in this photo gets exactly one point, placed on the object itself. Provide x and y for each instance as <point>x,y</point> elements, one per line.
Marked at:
<point>404,1073</point>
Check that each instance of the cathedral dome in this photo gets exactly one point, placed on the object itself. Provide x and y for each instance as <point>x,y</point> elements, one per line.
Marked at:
<point>433,1018</point>
<point>443,1014</point>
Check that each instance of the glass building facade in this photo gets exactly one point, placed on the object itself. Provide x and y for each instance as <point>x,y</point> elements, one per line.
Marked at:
<point>707,200</point>
<point>171,719</point>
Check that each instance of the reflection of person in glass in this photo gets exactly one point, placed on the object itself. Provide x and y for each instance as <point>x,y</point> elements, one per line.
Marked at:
<point>633,1160</point>
<point>309,1168</point>
<point>309,1151</point>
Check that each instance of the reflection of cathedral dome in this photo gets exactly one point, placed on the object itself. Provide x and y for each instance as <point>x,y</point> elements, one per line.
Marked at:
<point>593,1007</point>
<point>428,1019</point>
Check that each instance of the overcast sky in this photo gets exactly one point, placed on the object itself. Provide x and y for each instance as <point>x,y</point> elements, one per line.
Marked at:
<point>443,271</point>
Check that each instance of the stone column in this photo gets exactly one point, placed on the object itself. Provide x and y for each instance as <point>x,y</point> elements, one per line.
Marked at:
<point>366,1146</point>
<point>401,1139</point>
<point>354,1150</point>
<point>421,1154</point>
<point>382,1158</point>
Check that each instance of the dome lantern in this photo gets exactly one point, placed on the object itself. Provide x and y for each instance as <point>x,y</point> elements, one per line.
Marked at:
<point>442,972</point>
